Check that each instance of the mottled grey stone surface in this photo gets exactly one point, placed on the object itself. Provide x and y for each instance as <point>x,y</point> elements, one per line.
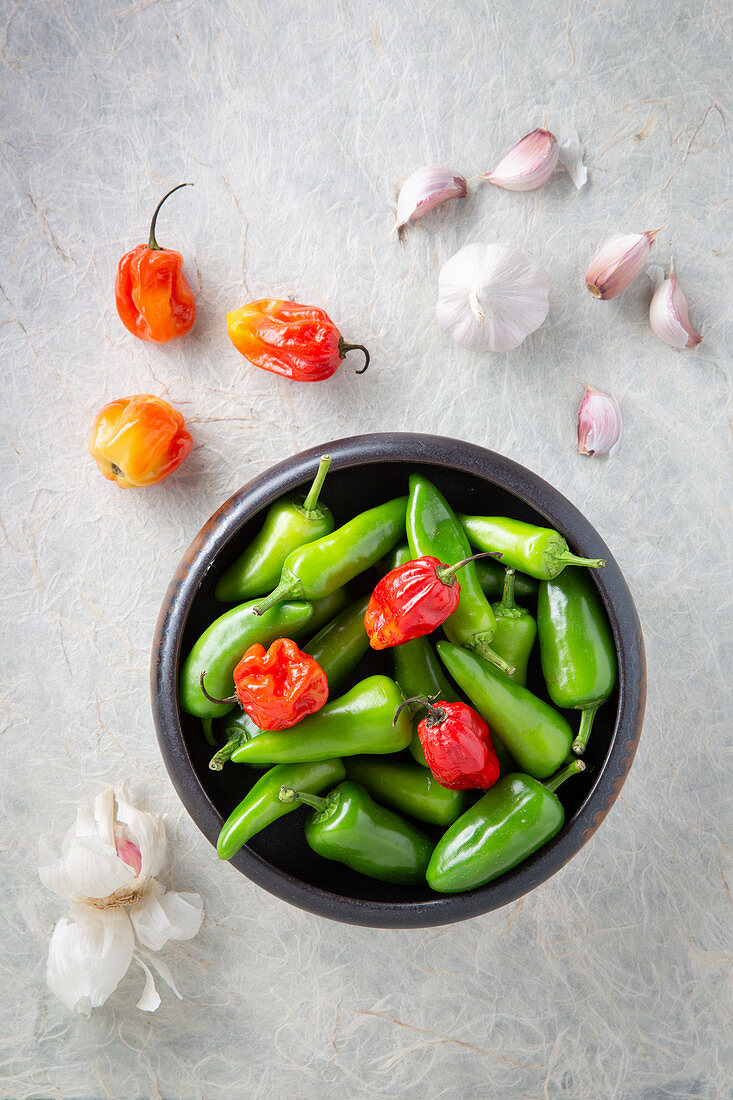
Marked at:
<point>296,121</point>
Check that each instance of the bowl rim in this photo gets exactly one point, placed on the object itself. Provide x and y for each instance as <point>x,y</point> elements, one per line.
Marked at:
<point>385,447</point>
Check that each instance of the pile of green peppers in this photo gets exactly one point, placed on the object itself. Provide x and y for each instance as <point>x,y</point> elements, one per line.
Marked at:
<point>374,805</point>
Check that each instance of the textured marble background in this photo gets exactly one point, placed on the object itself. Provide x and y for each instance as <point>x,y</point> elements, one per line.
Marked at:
<point>296,120</point>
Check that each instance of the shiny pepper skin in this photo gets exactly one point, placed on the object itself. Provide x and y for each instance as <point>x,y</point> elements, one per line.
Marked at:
<point>139,440</point>
<point>153,299</point>
<point>458,747</point>
<point>409,602</point>
<point>296,341</point>
<point>279,686</point>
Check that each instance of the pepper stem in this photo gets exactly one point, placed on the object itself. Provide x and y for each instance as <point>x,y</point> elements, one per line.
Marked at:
<point>565,557</point>
<point>437,714</point>
<point>507,601</point>
<point>310,502</point>
<point>152,243</point>
<point>344,347</point>
<point>586,724</point>
<point>446,573</point>
<point>289,794</point>
<point>220,758</point>
<point>279,595</point>
<point>480,644</point>
<point>231,699</point>
<point>554,782</point>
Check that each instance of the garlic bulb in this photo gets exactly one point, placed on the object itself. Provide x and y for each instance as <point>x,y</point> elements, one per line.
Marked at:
<point>107,871</point>
<point>427,188</point>
<point>617,263</point>
<point>669,314</point>
<point>490,297</point>
<point>528,164</point>
<point>599,423</point>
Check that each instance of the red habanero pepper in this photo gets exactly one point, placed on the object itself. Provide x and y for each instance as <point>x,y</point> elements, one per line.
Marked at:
<point>412,600</point>
<point>277,687</point>
<point>139,440</point>
<point>299,342</point>
<point>153,299</point>
<point>457,746</point>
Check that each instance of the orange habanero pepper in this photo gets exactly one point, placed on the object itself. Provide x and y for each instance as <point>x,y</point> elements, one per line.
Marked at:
<point>139,440</point>
<point>299,342</point>
<point>153,299</point>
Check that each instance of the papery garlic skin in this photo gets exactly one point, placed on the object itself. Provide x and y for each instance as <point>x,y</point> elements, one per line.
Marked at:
<point>88,956</point>
<point>571,157</point>
<point>669,315</point>
<point>599,423</point>
<point>92,869</point>
<point>617,263</point>
<point>107,870</point>
<point>528,164</point>
<point>427,188</point>
<point>491,297</point>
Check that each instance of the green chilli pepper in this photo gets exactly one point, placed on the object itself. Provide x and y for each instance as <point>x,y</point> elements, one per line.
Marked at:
<point>358,722</point>
<point>515,631</point>
<point>536,735</point>
<point>433,529</point>
<point>262,806</point>
<point>406,787</point>
<point>338,648</point>
<point>317,569</point>
<point>491,578</point>
<point>576,647</point>
<point>290,522</point>
<point>341,644</point>
<point>539,551</point>
<point>348,826</point>
<point>222,645</point>
<point>510,822</point>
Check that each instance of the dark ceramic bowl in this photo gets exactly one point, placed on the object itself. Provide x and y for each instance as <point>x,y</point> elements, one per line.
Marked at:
<point>365,471</point>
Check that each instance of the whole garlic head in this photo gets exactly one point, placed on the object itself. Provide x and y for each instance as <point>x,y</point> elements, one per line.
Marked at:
<point>490,297</point>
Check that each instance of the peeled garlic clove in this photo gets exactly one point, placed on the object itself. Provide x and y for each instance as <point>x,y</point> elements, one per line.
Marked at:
<point>427,188</point>
<point>617,263</point>
<point>528,165</point>
<point>669,315</point>
<point>599,423</point>
<point>490,297</point>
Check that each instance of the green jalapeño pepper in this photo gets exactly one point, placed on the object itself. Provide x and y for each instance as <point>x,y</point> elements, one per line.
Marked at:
<point>290,522</point>
<point>491,578</point>
<point>406,787</point>
<point>539,551</point>
<point>433,529</point>
<point>222,645</point>
<point>576,647</point>
<point>317,569</point>
<point>537,736</point>
<point>262,806</point>
<point>341,644</point>
<point>512,820</point>
<point>358,722</point>
<point>338,648</point>
<point>417,670</point>
<point>515,631</point>
<point>348,826</point>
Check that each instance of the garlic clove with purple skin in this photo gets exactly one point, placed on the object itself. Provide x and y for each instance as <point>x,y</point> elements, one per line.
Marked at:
<point>528,165</point>
<point>599,423</point>
<point>427,188</point>
<point>669,315</point>
<point>617,263</point>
